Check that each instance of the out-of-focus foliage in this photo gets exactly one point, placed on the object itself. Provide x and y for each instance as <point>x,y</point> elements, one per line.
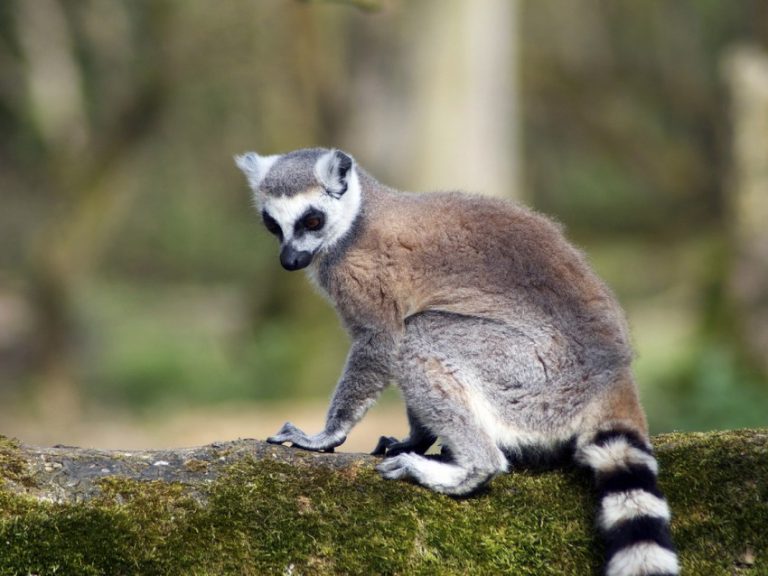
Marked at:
<point>627,110</point>
<point>627,127</point>
<point>133,271</point>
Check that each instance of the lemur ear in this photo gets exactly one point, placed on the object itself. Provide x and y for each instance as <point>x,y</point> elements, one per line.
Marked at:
<point>333,170</point>
<point>254,167</point>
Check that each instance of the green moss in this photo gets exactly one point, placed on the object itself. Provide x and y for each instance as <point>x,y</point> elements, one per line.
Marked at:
<point>271,516</point>
<point>717,486</point>
<point>13,467</point>
<point>267,517</point>
<point>263,517</point>
<point>196,465</point>
<point>123,531</point>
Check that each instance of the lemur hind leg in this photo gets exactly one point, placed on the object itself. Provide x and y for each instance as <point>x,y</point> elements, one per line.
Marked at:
<point>475,458</point>
<point>440,394</point>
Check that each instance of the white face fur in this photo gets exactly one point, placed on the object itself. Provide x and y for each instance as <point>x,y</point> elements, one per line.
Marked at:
<point>338,212</point>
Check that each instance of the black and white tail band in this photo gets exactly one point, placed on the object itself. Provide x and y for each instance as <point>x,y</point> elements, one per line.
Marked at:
<point>633,515</point>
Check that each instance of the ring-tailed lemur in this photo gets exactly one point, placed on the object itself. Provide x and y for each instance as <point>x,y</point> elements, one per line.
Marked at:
<point>502,339</point>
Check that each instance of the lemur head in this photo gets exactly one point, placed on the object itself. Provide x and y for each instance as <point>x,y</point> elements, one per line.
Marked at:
<point>309,199</point>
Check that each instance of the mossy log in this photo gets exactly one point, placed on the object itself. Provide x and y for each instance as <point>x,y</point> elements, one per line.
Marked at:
<point>246,507</point>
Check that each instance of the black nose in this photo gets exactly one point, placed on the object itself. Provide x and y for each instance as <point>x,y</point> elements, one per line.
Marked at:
<point>294,259</point>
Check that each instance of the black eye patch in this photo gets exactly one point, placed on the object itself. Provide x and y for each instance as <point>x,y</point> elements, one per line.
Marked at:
<point>272,225</point>
<point>312,220</point>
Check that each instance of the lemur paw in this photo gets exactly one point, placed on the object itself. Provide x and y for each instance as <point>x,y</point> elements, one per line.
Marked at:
<point>383,445</point>
<point>322,442</point>
<point>390,446</point>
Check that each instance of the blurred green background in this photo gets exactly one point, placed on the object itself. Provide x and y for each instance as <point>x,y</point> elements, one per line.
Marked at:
<point>138,290</point>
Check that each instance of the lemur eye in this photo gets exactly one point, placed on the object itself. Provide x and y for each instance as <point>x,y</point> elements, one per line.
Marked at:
<point>313,222</point>
<point>272,225</point>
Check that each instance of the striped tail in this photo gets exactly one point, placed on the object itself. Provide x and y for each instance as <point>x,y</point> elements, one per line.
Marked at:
<point>633,515</point>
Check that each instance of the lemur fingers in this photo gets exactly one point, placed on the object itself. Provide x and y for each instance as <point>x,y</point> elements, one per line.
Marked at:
<point>383,445</point>
<point>287,433</point>
<point>395,468</point>
<point>322,442</point>
<point>390,446</point>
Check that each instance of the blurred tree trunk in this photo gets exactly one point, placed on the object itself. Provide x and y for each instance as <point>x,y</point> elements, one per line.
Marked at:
<point>77,161</point>
<point>467,98</point>
<point>746,71</point>
<point>57,106</point>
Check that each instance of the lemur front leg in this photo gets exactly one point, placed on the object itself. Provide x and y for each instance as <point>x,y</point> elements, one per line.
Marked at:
<point>419,441</point>
<point>366,373</point>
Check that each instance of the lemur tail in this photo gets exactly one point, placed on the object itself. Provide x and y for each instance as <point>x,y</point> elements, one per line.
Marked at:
<point>633,515</point>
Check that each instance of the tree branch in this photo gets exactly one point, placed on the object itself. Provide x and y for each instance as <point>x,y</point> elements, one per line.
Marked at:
<point>246,507</point>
